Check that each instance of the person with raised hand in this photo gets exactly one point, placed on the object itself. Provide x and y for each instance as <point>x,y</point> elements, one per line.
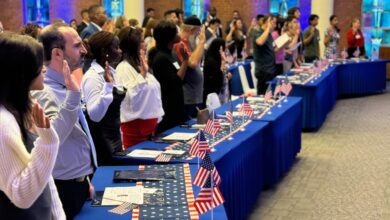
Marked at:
<point>103,96</point>
<point>192,38</point>
<point>61,100</point>
<point>264,53</point>
<point>141,110</point>
<point>169,74</point>
<point>28,142</point>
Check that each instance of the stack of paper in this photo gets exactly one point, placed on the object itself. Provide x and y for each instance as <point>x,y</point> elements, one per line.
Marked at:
<point>178,136</point>
<point>118,195</point>
<point>140,153</point>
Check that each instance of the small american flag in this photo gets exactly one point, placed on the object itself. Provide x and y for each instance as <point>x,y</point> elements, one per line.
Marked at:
<point>278,88</point>
<point>209,197</point>
<point>206,169</point>
<point>246,109</point>
<point>286,87</point>
<point>229,114</point>
<point>212,126</point>
<point>199,146</point>
<point>268,93</point>
<point>164,158</point>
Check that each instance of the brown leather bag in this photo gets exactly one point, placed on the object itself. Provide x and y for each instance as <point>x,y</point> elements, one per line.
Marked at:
<point>202,116</point>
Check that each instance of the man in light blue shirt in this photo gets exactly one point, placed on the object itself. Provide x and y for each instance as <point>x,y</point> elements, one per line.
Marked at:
<point>61,100</point>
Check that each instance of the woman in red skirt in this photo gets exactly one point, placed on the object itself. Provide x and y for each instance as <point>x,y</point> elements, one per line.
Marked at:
<point>141,109</point>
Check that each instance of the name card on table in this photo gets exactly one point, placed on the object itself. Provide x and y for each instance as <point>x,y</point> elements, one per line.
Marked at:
<point>179,136</point>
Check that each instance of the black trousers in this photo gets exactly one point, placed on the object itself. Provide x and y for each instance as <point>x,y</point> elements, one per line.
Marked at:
<point>72,195</point>
<point>279,69</point>
<point>262,79</point>
<point>310,59</point>
<point>351,51</point>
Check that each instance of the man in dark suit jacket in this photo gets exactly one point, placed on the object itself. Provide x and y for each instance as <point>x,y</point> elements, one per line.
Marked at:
<point>98,17</point>
<point>85,22</point>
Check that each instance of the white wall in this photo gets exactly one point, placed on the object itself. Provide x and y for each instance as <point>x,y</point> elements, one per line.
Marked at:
<point>324,9</point>
<point>134,9</point>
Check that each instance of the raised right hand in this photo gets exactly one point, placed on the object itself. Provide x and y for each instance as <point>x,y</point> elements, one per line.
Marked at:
<point>39,117</point>
<point>183,52</point>
<point>107,73</point>
<point>70,81</point>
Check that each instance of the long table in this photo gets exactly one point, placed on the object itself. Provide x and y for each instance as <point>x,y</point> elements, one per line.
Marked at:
<point>282,137</point>
<point>361,78</point>
<point>341,80</point>
<point>319,97</point>
<point>255,158</point>
<point>103,178</point>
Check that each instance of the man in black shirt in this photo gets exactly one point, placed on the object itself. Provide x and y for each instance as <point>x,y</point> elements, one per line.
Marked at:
<point>264,53</point>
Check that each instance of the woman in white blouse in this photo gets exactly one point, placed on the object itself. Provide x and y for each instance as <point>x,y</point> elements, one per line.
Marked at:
<point>102,96</point>
<point>141,109</point>
<point>27,189</point>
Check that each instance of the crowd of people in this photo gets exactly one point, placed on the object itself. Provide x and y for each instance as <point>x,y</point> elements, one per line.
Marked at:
<point>81,93</point>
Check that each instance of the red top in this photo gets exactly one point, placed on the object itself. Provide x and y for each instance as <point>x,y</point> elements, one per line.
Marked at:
<point>187,49</point>
<point>355,40</point>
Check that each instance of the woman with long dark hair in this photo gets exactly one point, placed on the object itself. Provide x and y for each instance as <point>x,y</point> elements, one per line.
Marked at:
<point>27,189</point>
<point>169,74</point>
<point>213,68</point>
<point>102,97</point>
<point>141,109</point>
<point>236,37</point>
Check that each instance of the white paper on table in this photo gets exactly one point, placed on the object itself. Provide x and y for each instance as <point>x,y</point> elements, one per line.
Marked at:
<point>295,46</point>
<point>174,152</point>
<point>198,126</point>
<point>259,99</point>
<point>237,114</point>
<point>224,124</point>
<point>144,153</point>
<point>179,136</point>
<point>118,195</point>
<point>282,40</point>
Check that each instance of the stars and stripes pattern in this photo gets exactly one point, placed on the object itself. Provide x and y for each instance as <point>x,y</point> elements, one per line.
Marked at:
<point>209,197</point>
<point>164,158</point>
<point>286,87</point>
<point>206,170</point>
<point>246,109</point>
<point>268,93</point>
<point>199,146</point>
<point>212,126</point>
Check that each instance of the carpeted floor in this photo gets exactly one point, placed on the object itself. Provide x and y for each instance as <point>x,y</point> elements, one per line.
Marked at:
<point>343,170</point>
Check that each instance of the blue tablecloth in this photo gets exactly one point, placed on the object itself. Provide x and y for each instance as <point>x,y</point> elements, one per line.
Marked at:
<point>235,82</point>
<point>283,137</point>
<point>103,178</point>
<point>256,158</point>
<point>239,162</point>
<point>319,97</point>
<point>362,78</point>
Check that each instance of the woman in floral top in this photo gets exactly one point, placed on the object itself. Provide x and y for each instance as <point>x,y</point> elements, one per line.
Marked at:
<point>332,38</point>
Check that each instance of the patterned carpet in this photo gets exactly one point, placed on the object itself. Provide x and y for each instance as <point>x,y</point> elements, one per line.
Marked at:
<point>343,170</point>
